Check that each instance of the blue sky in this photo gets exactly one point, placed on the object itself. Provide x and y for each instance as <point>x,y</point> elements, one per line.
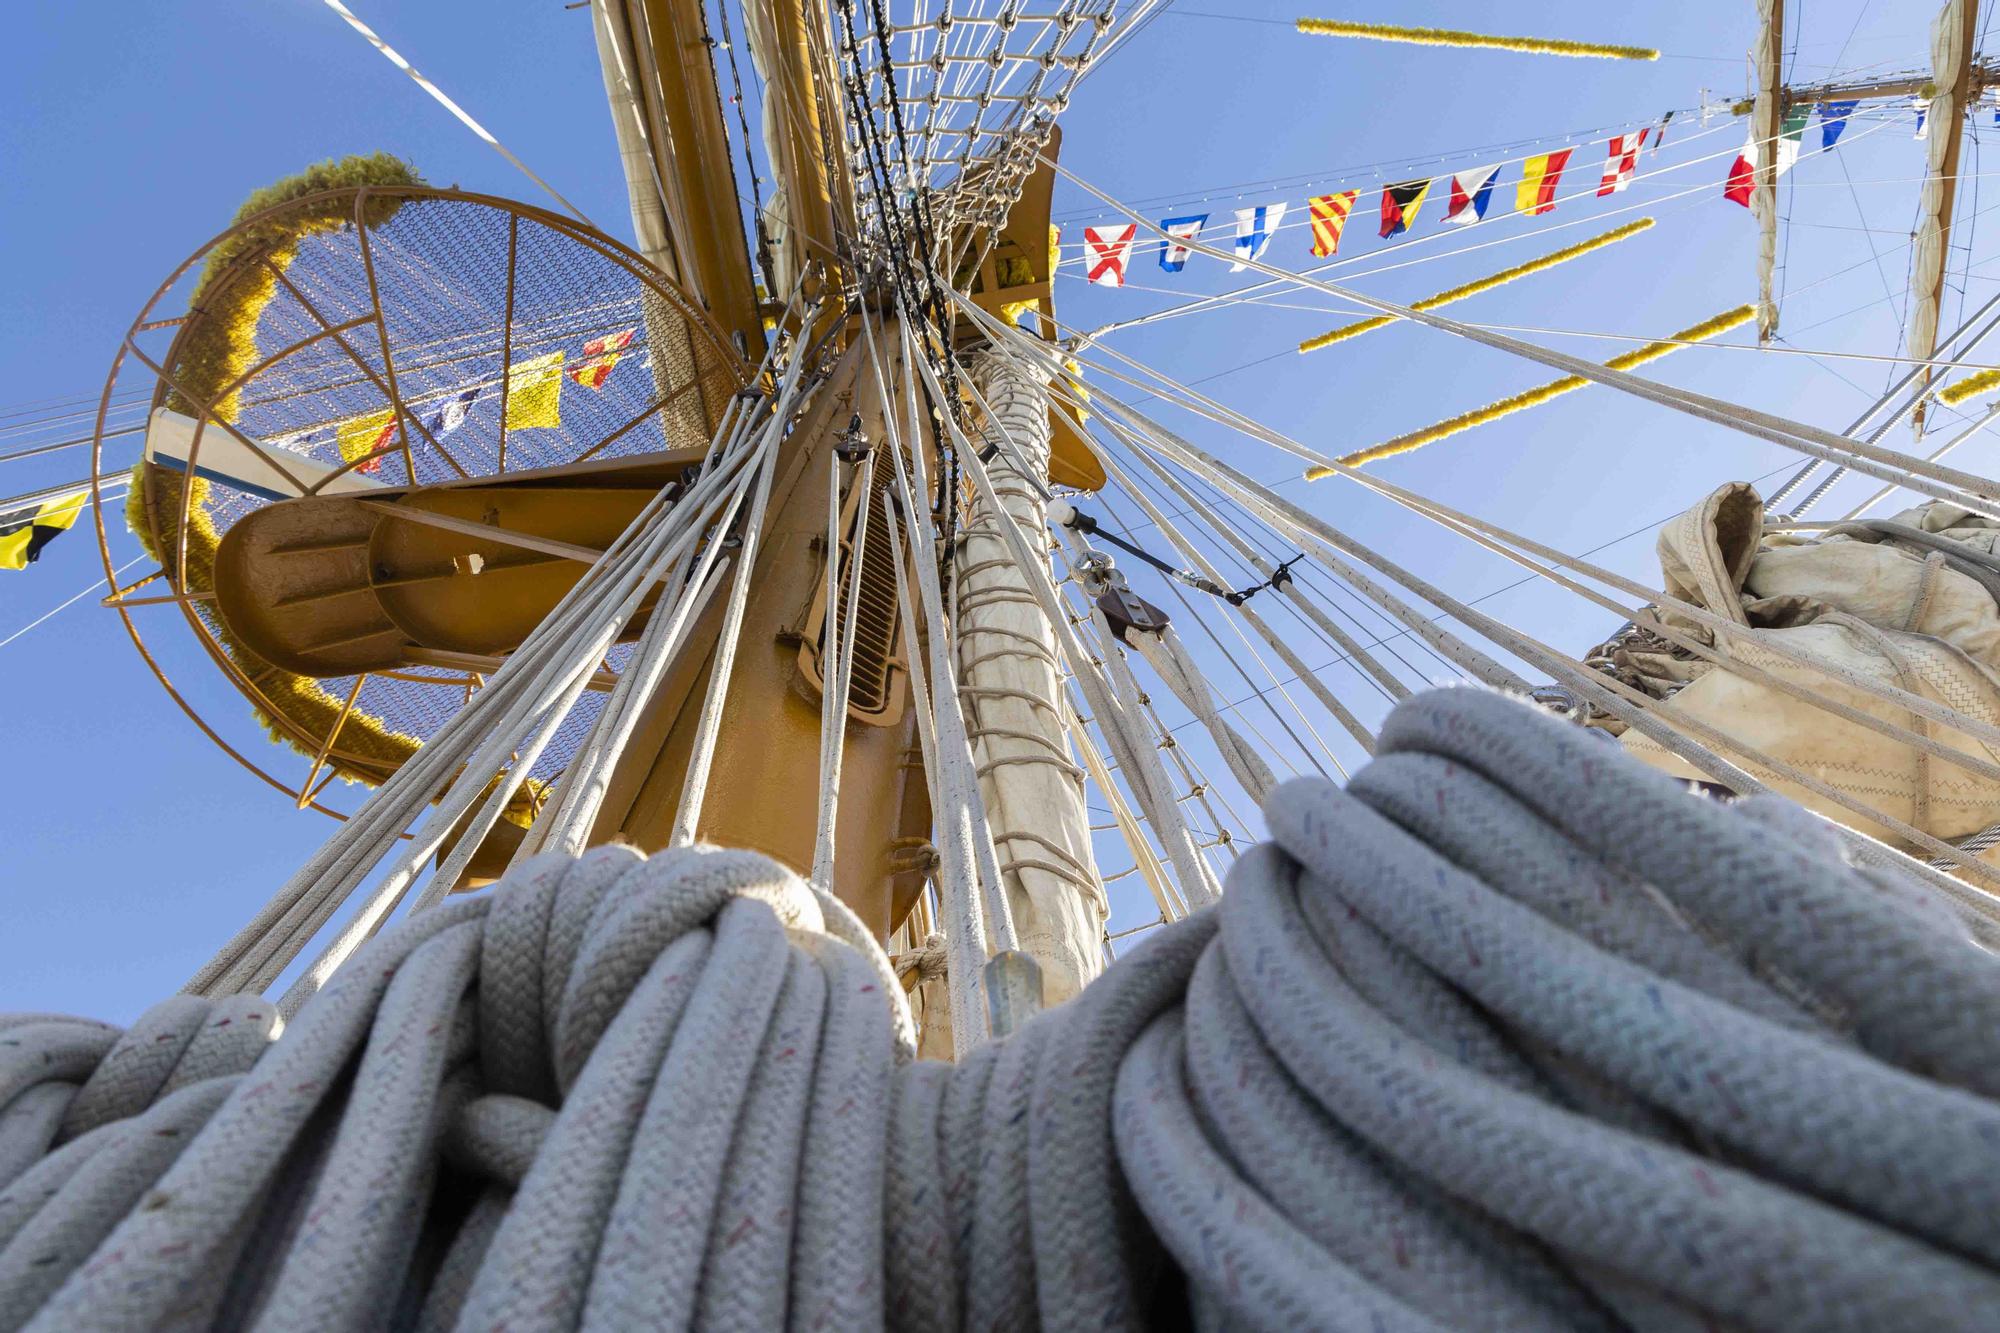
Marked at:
<point>128,138</point>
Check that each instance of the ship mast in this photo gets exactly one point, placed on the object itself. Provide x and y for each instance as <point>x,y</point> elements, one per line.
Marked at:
<point>1016,714</point>
<point>1956,81</point>
<point>1766,121</point>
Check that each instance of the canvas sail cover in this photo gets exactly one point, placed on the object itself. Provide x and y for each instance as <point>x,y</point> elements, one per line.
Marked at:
<point>1908,601</point>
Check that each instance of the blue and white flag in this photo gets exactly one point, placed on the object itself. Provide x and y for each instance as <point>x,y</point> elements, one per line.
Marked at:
<point>451,415</point>
<point>1174,256</point>
<point>1832,120</point>
<point>1922,106</point>
<point>1993,96</point>
<point>1254,229</point>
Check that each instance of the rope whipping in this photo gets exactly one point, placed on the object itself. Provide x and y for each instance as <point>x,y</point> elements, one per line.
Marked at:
<point>1512,1032</point>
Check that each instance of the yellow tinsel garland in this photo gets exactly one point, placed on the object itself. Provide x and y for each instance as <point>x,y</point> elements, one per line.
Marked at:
<point>1500,279</point>
<point>232,293</point>
<point>1546,46</point>
<point>1970,387</point>
<point>1534,397</point>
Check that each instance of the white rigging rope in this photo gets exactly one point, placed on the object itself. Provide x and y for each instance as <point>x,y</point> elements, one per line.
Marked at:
<point>483,751</point>
<point>1662,1067</point>
<point>53,612</point>
<point>458,112</point>
<point>1976,494</point>
<point>1701,746</point>
<point>1285,281</point>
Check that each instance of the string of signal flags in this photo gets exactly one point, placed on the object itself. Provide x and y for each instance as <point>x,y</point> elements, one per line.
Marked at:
<point>1468,196</point>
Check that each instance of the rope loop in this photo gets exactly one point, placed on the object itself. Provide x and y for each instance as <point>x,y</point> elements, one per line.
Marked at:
<point>1511,1032</point>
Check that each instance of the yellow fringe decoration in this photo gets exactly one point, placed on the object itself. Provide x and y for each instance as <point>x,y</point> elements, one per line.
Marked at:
<point>1500,279</point>
<point>1545,46</point>
<point>232,298</point>
<point>1970,387</point>
<point>1638,356</point>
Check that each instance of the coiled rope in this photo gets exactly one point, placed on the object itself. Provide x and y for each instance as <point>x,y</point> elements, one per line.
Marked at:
<point>1511,1033</point>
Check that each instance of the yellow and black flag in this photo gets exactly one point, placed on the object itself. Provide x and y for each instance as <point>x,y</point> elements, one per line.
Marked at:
<point>25,531</point>
<point>1400,203</point>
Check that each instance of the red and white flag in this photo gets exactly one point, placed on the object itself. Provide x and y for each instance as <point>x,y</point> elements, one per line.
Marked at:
<point>1622,160</point>
<point>1105,252</point>
<point>1471,191</point>
<point>1742,174</point>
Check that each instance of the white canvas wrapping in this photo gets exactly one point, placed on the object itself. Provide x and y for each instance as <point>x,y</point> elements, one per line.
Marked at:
<point>1865,607</point>
<point>1013,702</point>
<point>1946,112</point>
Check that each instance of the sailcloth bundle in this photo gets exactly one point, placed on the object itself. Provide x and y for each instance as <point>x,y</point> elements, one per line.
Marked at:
<point>1511,1033</point>
<point>1908,601</point>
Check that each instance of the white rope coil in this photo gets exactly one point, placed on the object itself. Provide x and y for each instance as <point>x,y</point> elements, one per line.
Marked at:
<point>1511,1033</point>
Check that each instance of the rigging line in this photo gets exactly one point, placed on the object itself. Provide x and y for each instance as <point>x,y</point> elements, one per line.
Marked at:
<point>66,405</point>
<point>1484,623</point>
<point>1581,195</point>
<point>58,403</point>
<point>1649,178</point>
<point>1938,362</point>
<point>1149,12</point>
<point>1253,521</point>
<point>1263,696</point>
<point>1210,193</point>
<point>46,493</point>
<point>438,94</point>
<point>127,423</point>
<point>50,615</point>
<point>1294,282</point>
<point>1767,427</point>
<point>87,414</point>
<point>1965,269</point>
<point>1586,191</point>
<point>1205,194</point>
<point>728,44</point>
<point>1835,226</point>
<point>1243,295</point>
<point>1195,401</point>
<point>1137,479</point>
<point>1896,180</point>
<point>1153,472</point>
<point>1963,437</point>
<point>1865,7</point>
<point>1531,578</point>
<point>1973,493</point>
<point>1855,310</point>
<point>71,444</point>
<point>1268,301</point>
<point>1188,541</point>
<point>1887,289</point>
<point>1250,523</point>
<point>1867,305</point>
